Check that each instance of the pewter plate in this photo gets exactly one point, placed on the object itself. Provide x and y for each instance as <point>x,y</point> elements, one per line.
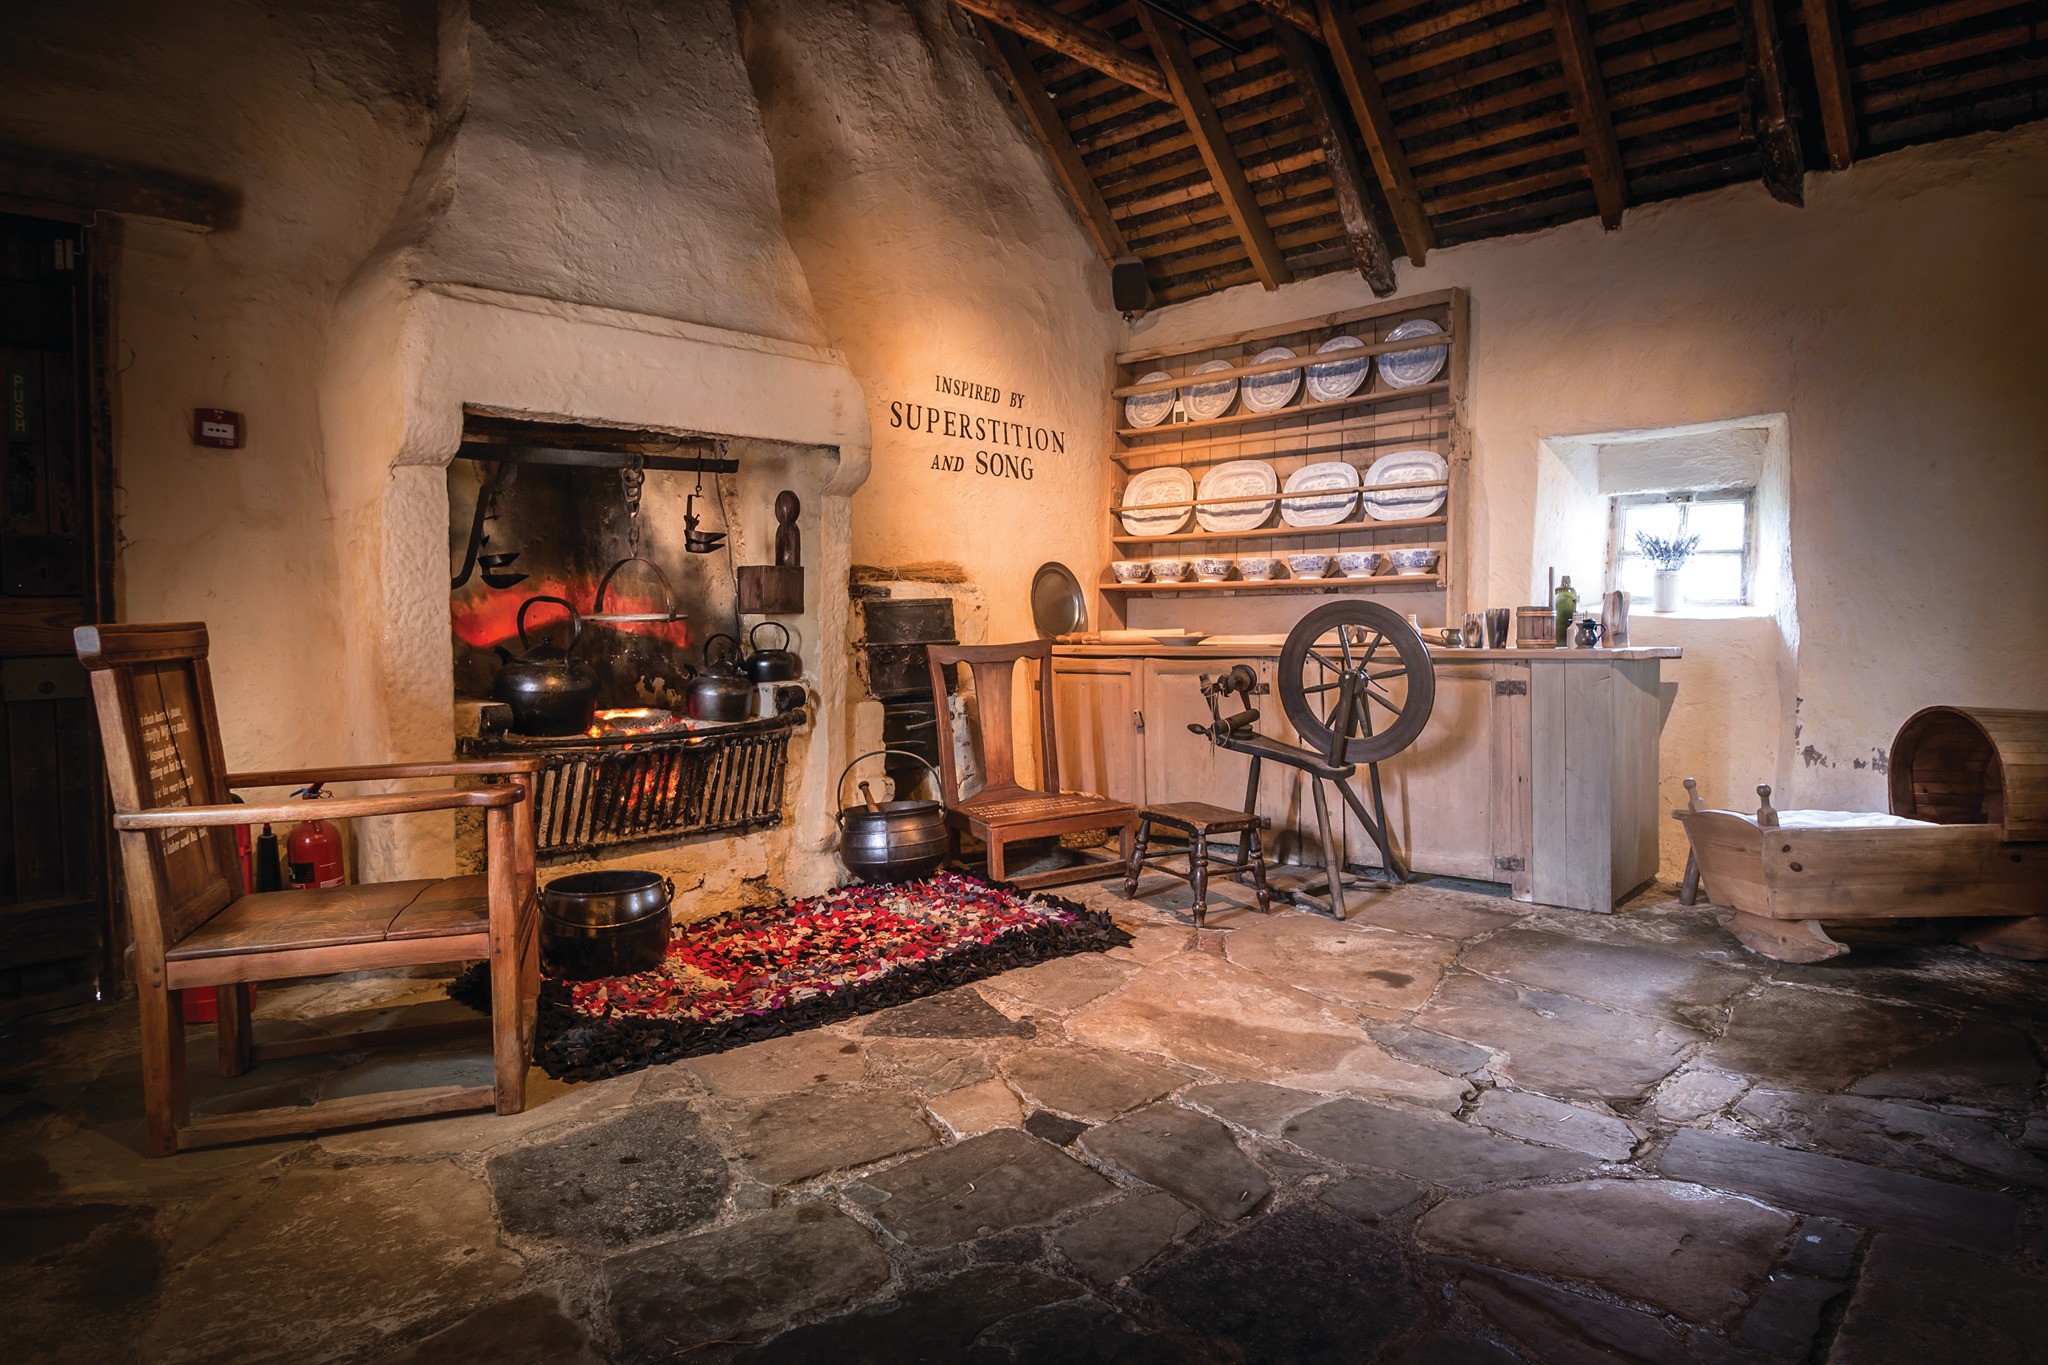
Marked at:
<point>1337,480</point>
<point>1058,606</point>
<point>1239,478</point>
<point>1404,504</point>
<point>1271,392</point>
<point>1149,409</point>
<point>1337,379</point>
<point>1407,369</point>
<point>1209,400</point>
<point>1169,484</point>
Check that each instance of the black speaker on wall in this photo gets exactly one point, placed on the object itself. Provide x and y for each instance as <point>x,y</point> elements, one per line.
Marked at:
<point>1127,286</point>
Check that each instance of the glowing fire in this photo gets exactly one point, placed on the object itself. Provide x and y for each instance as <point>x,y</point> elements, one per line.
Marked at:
<point>486,618</point>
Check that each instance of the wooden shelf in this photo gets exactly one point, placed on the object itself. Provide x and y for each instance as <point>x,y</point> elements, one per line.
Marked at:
<point>1376,583</point>
<point>1301,362</point>
<point>1369,398</point>
<point>1283,532</point>
<point>1356,442</point>
<point>1414,305</point>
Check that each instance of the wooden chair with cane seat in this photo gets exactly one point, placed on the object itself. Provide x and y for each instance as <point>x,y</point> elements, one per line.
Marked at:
<point>194,928</point>
<point>1004,811</point>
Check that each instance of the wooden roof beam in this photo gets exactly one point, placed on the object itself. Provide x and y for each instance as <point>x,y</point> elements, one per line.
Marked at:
<point>1589,107</point>
<point>1831,75</point>
<point>1090,47</point>
<point>1299,13</point>
<point>1347,178</point>
<point>1369,106</point>
<point>1771,106</point>
<point>39,180</point>
<point>1072,172</point>
<point>1225,171</point>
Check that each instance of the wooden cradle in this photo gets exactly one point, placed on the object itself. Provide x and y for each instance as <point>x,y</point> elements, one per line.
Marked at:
<point>1979,776</point>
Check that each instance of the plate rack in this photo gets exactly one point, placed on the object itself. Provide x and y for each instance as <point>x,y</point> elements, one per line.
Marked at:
<point>1374,421</point>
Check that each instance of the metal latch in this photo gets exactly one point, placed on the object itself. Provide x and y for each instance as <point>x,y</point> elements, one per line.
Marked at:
<point>1511,687</point>
<point>1511,863</point>
<point>1137,720</point>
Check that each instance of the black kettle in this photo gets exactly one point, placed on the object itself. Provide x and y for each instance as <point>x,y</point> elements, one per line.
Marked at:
<point>550,692</point>
<point>721,692</point>
<point>772,665</point>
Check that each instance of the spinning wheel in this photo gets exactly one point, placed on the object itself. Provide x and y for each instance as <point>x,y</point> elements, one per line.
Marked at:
<point>1358,685</point>
<point>1356,682</point>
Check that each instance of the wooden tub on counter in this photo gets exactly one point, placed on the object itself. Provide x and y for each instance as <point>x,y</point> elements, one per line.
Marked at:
<point>1538,767</point>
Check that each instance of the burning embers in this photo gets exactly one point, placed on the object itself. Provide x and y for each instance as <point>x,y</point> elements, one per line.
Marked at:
<point>633,721</point>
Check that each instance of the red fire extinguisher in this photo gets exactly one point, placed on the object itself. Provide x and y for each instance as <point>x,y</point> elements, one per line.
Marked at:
<point>313,854</point>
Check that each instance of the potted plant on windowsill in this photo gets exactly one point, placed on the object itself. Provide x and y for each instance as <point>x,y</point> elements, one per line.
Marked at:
<point>1668,556</point>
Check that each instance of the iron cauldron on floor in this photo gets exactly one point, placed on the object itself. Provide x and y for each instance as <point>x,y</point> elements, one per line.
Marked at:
<point>891,841</point>
<point>609,923</point>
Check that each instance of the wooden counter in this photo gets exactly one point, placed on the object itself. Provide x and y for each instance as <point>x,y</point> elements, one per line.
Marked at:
<point>1538,767</point>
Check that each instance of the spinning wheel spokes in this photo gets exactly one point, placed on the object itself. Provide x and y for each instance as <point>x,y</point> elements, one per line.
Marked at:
<point>1342,649</point>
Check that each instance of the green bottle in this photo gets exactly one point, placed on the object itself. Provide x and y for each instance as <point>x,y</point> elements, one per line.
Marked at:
<point>1567,609</point>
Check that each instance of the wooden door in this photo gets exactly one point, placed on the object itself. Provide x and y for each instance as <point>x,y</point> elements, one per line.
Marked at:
<point>56,933</point>
<point>1096,709</point>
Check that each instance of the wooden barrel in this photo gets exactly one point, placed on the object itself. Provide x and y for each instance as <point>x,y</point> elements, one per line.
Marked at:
<point>1968,765</point>
<point>1535,628</point>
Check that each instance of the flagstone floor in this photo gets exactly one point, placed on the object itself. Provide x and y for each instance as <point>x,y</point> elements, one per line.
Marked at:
<point>1447,1131</point>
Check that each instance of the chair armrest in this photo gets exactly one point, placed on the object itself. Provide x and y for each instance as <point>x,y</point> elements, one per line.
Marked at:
<point>335,807</point>
<point>379,772</point>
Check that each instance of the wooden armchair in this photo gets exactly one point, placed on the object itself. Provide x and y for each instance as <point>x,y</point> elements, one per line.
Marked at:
<point>1004,811</point>
<point>194,927</point>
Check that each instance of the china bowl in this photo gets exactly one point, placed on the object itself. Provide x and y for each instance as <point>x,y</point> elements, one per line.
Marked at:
<point>1129,570</point>
<point>1212,570</point>
<point>1360,563</point>
<point>1308,565</point>
<point>1169,570</point>
<point>1414,561</point>
<point>1257,568</point>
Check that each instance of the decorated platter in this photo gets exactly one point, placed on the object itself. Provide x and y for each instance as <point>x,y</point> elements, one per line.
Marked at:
<point>1140,512</point>
<point>1403,504</point>
<point>1212,399</point>
<point>1407,369</point>
<point>1336,480</point>
<point>1239,478</point>
<point>1271,392</point>
<point>1149,409</point>
<point>1336,379</point>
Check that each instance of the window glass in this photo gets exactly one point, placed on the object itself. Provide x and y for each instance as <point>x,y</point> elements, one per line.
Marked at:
<point>1719,525</point>
<point>1659,519</point>
<point>1711,579</point>
<point>1719,569</point>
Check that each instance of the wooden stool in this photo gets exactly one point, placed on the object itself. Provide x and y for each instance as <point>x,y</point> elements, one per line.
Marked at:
<point>1199,820</point>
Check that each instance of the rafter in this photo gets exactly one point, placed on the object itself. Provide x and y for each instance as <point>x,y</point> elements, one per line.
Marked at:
<point>1347,179</point>
<point>1771,106</point>
<point>1589,107</point>
<point>1369,106</point>
<point>1015,64</point>
<point>35,179</point>
<point>1299,13</point>
<point>1090,47</point>
<point>1831,77</point>
<point>1213,142</point>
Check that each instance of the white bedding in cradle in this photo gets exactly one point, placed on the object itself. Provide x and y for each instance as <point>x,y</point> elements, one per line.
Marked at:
<point>1844,819</point>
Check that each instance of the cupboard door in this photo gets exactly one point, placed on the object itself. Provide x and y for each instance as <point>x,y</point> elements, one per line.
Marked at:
<point>1179,764</point>
<point>1095,713</point>
<point>1440,790</point>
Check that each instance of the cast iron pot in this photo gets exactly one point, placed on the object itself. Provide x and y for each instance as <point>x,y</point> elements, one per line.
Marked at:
<point>610,923</point>
<point>773,665</point>
<point>902,841</point>
<point>721,691</point>
<point>549,692</point>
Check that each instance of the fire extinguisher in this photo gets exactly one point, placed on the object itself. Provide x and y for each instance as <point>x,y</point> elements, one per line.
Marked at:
<point>313,854</point>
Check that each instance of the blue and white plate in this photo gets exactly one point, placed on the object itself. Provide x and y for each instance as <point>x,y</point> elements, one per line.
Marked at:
<point>1338,379</point>
<point>1149,409</point>
<point>1407,369</point>
<point>1271,392</point>
<point>1404,504</point>
<point>1212,399</point>
<point>1337,483</point>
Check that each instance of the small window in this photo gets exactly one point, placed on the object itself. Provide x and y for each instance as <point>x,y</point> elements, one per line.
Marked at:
<point>1722,565</point>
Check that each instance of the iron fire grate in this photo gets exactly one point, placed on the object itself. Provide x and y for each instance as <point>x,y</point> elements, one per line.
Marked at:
<point>598,793</point>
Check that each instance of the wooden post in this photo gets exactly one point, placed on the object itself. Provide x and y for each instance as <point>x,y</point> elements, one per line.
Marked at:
<point>1225,172</point>
<point>1771,108</point>
<point>1831,76</point>
<point>1072,173</point>
<point>1090,47</point>
<point>1589,108</point>
<point>1347,180</point>
<point>1369,106</point>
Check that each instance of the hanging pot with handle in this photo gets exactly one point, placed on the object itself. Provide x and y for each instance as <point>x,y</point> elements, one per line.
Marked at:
<point>550,692</point>
<point>891,841</point>
<point>721,692</point>
<point>772,665</point>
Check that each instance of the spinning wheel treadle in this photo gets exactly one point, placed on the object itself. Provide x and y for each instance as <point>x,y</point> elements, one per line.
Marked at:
<point>1356,682</point>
